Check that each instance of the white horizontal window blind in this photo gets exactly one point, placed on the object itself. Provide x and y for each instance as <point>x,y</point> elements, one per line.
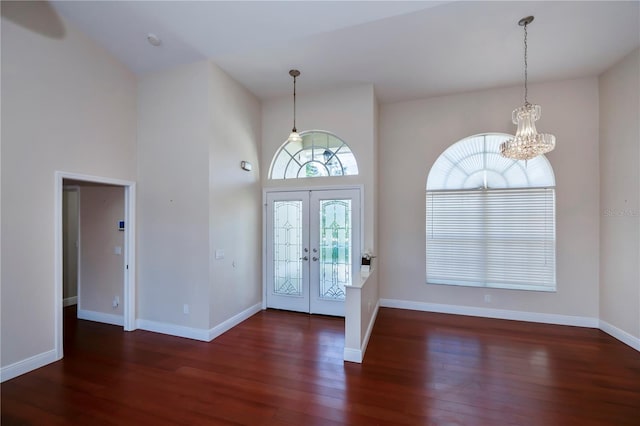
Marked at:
<point>502,238</point>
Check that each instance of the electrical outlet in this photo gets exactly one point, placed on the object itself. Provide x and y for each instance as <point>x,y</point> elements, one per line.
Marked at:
<point>185,309</point>
<point>487,298</point>
<point>116,302</point>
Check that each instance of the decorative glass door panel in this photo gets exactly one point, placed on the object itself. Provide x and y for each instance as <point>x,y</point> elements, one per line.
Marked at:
<point>313,249</point>
<point>335,245</point>
<point>287,245</point>
<point>287,259</point>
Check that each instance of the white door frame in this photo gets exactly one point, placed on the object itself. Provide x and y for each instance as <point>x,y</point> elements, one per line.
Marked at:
<point>129,301</point>
<point>76,189</point>
<point>265,191</point>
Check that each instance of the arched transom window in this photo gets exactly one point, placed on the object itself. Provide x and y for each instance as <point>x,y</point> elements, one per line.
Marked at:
<point>490,221</point>
<point>319,154</point>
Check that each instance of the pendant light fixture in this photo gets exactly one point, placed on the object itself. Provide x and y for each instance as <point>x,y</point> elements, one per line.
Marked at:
<point>527,143</point>
<point>294,136</point>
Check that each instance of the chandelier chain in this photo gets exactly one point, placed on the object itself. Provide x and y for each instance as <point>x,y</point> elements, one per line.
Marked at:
<point>526,89</point>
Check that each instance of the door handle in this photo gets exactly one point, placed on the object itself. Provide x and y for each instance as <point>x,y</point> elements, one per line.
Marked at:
<point>304,258</point>
<point>315,259</point>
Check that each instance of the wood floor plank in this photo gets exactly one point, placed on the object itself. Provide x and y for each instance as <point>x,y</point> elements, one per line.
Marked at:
<point>283,368</point>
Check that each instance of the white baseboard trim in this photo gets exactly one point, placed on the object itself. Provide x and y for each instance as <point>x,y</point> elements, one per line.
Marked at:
<point>201,334</point>
<point>352,355</point>
<point>173,329</point>
<point>24,366</point>
<point>101,317</point>
<point>621,335</point>
<point>70,301</point>
<point>355,355</point>
<point>588,322</point>
<point>233,321</point>
<point>492,313</point>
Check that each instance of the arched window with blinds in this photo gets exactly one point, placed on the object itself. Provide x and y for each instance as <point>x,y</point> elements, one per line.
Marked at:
<point>490,221</point>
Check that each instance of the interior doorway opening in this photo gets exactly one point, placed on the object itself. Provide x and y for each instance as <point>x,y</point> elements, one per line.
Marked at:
<point>106,263</point>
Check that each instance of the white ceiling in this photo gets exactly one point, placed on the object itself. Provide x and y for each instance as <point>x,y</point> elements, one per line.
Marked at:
<point>407,49</point>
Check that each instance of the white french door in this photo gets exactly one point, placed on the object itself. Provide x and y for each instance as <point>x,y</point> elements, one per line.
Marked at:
<point>313,249</point>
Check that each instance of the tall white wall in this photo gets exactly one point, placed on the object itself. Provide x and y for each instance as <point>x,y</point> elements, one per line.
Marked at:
<point>196,124</point>
<point>235,218</point>
<point>620,195</point>
<point>173,195</point>
<point>102,269</point>
<point>350,114</point>
<point>67,105</point>
<point>413,134</point>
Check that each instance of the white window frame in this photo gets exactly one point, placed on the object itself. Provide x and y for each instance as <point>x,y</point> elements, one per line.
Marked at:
<point>299,157</point>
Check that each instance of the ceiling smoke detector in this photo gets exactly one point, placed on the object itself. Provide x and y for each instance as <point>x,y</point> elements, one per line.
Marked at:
<point>154,40</point>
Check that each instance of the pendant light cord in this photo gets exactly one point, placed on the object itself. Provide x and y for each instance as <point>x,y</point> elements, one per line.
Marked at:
<point>294,104</point>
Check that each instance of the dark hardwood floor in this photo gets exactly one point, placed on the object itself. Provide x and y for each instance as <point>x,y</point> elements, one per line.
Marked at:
<point>281,368</point>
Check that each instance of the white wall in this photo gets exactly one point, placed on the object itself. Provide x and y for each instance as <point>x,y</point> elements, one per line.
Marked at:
<point>413,134</point>
<point>235,218</point>
<point>196,124</point>
<point>67,105</point>
<point>349,113</point>
<point>361,305</point>
<point>620,195</point>
<point>102,270</point>
<point>173,186</point>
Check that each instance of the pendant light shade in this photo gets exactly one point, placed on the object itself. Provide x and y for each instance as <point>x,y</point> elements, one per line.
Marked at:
<point>294,136</point>
<point>527,143</point>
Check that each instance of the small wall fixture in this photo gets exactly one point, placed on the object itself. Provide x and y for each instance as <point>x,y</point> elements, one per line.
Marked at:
<point>245,165</point>
<point>527,143</point>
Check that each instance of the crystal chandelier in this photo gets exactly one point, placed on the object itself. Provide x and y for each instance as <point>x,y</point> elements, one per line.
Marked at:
<point>294,136</point>
<point>527,143</point>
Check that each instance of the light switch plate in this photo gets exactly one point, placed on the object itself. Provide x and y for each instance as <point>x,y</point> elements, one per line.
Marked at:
<point>219,254</point>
